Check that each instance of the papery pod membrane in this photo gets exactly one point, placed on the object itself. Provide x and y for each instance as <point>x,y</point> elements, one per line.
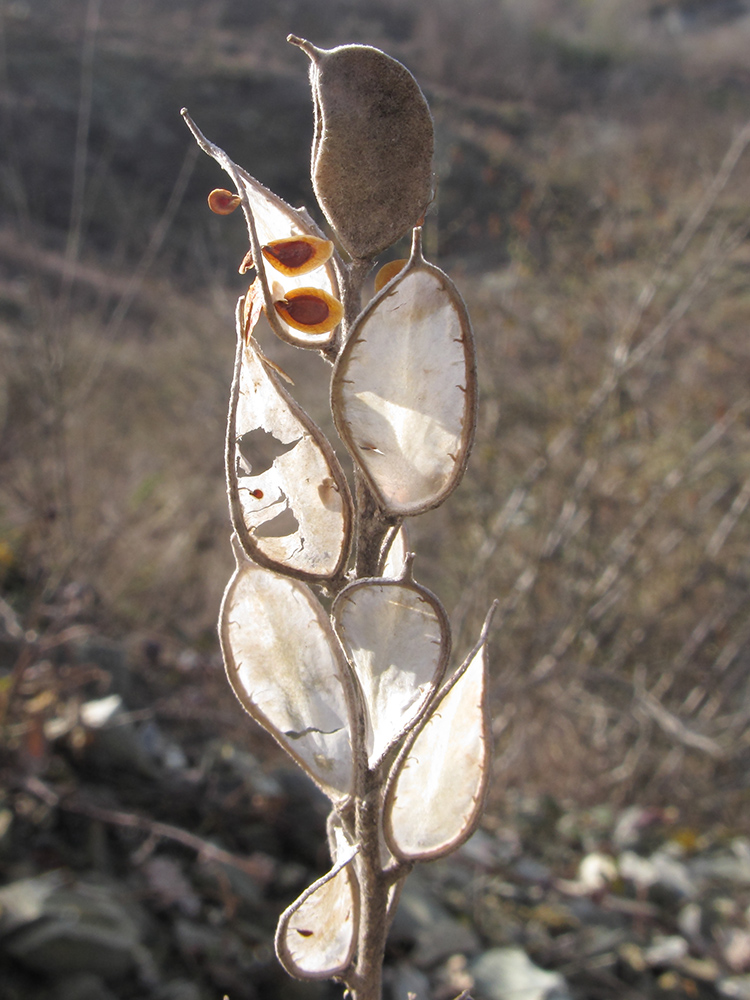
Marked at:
<point>288,495</point>
<point>286,667</point>
<point>316,936</point>
<point>435,795</point>
<point>404,389</point>
<point>395,560</point>
<point>397,638</point>
<point>373,145</point>
<point>270,218</point>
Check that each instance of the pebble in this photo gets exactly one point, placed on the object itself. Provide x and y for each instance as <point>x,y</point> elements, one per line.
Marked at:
<point>509,974</point>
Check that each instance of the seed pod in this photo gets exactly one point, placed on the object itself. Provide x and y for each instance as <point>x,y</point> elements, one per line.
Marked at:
<point>288,671</point>
<point>397,638</point>
<point>297,254</point>
<point>373,145</point>
<point>310,309</point>
<point>302,525</point>
<point>388,271</point>
<point>268,219</point>
<point>403,392</point>
<point>223,202</point>
<point>436,790</point>
<point>317,934</point>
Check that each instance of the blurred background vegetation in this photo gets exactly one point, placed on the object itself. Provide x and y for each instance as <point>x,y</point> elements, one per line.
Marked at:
<point>592,206</point>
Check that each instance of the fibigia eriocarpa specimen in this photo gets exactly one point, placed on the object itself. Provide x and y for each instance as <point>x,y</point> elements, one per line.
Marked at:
<point>364,697</point>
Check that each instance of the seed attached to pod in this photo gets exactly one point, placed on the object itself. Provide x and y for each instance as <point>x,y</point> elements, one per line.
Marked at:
<point>223,202</point>
<point>247,262</point>
<point>297,254</point>
<point>310,309</point>
<point>388,271</point>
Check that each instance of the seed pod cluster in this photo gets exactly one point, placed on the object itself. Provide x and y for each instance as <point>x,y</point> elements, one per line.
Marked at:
<point>373,146</point>
<point>360,689</point>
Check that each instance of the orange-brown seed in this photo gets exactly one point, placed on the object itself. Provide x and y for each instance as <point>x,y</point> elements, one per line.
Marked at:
<point>310,309</point>
<point>388,271</point>
<point>297,254</point>
<point>223,202</point>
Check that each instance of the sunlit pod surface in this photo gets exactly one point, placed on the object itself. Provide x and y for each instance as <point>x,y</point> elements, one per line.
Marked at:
<point>436,799</point>
<point>286,667</point>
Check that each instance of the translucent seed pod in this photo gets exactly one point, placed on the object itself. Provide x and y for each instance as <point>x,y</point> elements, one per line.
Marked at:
<point>288,672</point>
<point>302,525</point>
<point>316,935</point>
<point>270,218</point>
<point>436,792</point>
<point>409,422</point>
<point>397,638</point>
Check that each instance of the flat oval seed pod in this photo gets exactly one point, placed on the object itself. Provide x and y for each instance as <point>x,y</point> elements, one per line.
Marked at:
<point>397,638</point>
<point>270,218</point>
<point>286,668</point>
<point>302,522</point>
<point>435,796</point>
<point>297,254</point>
<point>317,934</point>
<point>310,309</point>
<point>372,151</point>
<point>403,392</point>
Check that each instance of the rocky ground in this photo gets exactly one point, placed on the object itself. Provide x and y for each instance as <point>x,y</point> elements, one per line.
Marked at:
<point>146,851</point>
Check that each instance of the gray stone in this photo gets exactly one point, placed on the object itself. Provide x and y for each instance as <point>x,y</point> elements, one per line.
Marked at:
<point>178,989</point>
<point>404,980</point>
<point>424,925</point>
<point>732,866</point>
<point>734,987</point>
<point>83,986</point>
<point>666,951</point>
<point>23,902</point>
<point>509,974</point>
<point>660,870</point>
<point>81,928</point>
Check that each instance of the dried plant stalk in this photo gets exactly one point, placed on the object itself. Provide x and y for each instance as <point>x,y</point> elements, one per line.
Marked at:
<point>363,699</point>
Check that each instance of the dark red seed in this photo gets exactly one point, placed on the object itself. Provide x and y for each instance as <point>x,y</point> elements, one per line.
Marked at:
<point>291,253</point>
<point>307,309</point>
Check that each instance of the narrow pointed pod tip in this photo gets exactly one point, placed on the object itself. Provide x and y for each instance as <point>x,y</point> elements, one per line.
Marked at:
<point>307,47</point>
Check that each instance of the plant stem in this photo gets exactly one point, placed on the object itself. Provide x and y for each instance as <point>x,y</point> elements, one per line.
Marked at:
<point>366,981</point>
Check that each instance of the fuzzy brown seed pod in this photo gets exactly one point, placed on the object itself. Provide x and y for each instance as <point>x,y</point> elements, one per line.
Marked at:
<point>373,145</point>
